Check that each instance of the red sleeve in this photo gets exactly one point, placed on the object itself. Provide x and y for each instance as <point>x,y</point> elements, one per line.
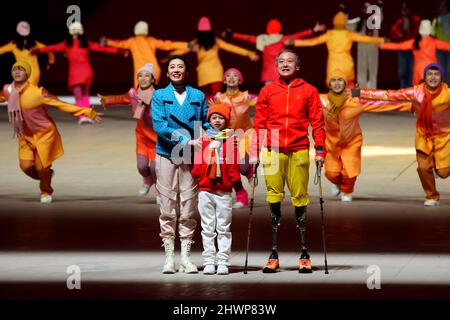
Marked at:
<point>244,37</point>
<point>94,46</point>
<point>59,47</point>
<point>299,35</point>
<point>395,33</point>
<point>315,116</point>
<point>259,121</point>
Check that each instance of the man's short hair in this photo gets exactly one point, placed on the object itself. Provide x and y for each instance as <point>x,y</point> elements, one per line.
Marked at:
<point>297,57</point>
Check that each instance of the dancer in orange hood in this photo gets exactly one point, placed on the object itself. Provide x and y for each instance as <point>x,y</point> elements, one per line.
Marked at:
<point>344,135</point>
<point>431,101</point>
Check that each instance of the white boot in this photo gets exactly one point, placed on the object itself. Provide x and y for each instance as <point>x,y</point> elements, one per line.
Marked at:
<point>186,265</point>
<point>169,247</point>
<point>346,197</point>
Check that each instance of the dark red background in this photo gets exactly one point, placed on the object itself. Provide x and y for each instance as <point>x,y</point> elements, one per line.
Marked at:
<point>177,20</point>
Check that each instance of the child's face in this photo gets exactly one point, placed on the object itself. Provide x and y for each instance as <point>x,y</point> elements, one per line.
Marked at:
<point>217,121</point>
<point>145,79</point>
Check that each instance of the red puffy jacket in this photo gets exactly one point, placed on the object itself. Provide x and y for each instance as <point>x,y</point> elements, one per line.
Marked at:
<point>289,109</point>
<point>229,168</point>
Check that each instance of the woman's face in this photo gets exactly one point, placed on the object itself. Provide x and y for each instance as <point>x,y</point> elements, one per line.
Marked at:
<point>232,79</point>
<point>145,79</point>
<point>433,78</point>
<point>217,121</point>
<point>177,71</point>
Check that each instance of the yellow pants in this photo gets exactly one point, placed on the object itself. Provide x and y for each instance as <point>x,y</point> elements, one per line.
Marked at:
<point>292,168</point>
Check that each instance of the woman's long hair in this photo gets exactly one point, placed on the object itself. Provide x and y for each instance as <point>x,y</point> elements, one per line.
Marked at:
<point>83,40</point>
<point>206,39</point>
<point>24,43</point>
<point>417,41</point>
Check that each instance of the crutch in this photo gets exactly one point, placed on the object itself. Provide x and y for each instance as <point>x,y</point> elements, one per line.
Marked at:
<point>319,181</point>
<point>252,199</point>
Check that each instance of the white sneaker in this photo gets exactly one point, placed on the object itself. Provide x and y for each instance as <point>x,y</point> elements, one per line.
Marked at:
<point>335,191</point>
<point>85,121</point>
<point>222,269</point>
<point>209,269</point>
<point>238,205</point>
<point>144,189</point>
<point>431,203</point>
<point>46,198</point>
<point>346,197</point>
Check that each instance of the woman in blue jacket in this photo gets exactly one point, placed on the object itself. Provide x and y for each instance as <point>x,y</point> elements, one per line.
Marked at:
<point>178,113</point>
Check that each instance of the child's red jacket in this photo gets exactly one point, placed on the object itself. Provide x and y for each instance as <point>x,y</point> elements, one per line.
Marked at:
<point>229,166</point>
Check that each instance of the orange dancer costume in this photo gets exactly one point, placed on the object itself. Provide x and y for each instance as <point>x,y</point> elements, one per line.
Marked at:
<point>240,103</point>
<point>143,48</point>
<point>426,52</point>
<point>344,135</point>
<point>22,47</point>
<point>432,140</point>
<point>39,140</point>
<point>207,46</point>
<point>339,42</point>
<point>140,100</point>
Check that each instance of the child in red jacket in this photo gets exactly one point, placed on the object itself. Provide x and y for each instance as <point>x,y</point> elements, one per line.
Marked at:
<point>217,169</point>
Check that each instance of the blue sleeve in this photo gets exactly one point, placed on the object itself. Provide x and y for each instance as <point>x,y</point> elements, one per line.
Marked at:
<point>161,125</point>
<point>205,123</point>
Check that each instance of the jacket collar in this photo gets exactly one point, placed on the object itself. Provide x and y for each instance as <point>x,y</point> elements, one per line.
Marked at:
<point>294,83</point>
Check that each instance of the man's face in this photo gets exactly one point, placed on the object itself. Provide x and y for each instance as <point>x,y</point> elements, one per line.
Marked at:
<point>177,71</point>
<point>286,65</point>
<point>337,85</point>
<point>145,79</point>
<point>433,78</point>
<point>19,74</point>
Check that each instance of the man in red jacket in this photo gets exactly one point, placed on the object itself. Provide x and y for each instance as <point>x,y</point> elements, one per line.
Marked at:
<point>284,111</point>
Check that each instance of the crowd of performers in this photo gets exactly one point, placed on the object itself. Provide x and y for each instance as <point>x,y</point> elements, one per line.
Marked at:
<point>194,145</point>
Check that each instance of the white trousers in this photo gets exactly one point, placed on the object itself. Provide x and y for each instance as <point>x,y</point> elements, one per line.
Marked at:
<point>367,65</point>
<point>215,213</point>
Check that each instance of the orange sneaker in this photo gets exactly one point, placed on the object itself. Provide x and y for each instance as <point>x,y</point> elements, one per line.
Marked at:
<point>272,266</point>
<point>304,265</point>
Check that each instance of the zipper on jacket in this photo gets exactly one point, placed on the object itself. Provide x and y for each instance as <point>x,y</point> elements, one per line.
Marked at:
<point>287,116</point>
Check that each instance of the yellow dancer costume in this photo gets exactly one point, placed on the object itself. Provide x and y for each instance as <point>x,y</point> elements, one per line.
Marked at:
<point>339,42</point>
<point>432,148</point>
<point>39,140</point>
<point>32,60</point>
